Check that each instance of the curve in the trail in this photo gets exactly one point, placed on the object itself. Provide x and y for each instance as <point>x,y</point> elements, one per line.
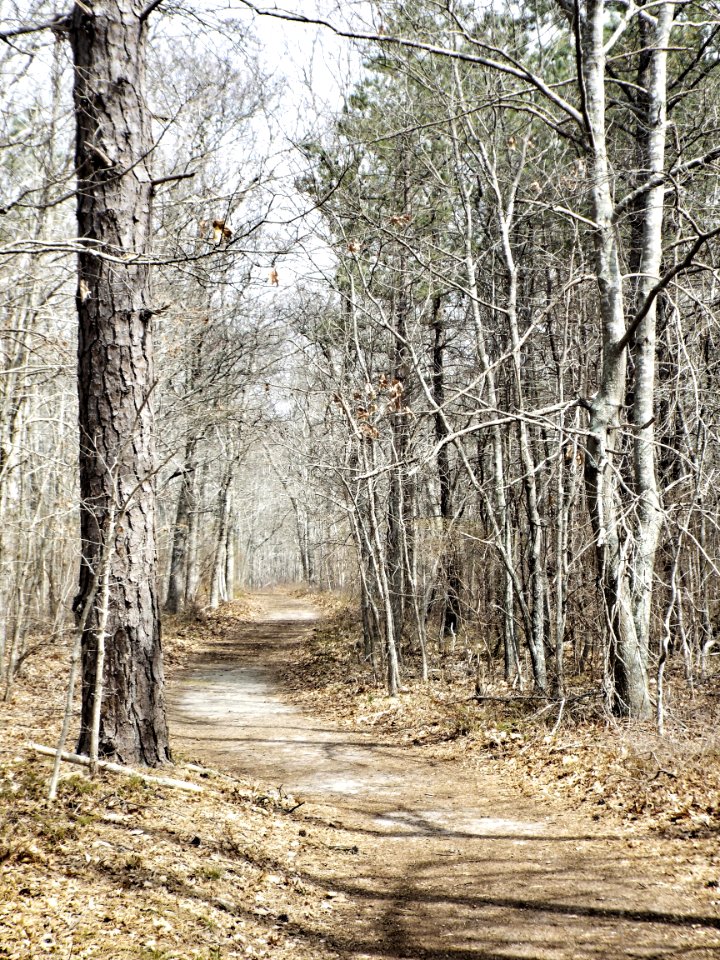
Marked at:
<point>448,864</point>
<point>229,710</point>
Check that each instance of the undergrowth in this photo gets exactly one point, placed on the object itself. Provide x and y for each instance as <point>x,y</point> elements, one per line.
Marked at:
<point>568,747</point>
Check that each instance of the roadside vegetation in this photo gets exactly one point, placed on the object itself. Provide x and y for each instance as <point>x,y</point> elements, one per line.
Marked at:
<point>569,750</point>
<point>122,868</point>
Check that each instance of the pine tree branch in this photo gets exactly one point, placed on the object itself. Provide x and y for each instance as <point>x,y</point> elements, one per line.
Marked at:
<point>510,68</point>
<point>58,22</point>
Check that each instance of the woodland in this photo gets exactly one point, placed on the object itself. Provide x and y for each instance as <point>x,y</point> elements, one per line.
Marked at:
<point>358,421</point>
<point>448,349</point>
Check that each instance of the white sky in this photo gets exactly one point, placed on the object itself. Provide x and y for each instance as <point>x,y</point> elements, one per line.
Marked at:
<point>315,69</point>
<point>316,63</point>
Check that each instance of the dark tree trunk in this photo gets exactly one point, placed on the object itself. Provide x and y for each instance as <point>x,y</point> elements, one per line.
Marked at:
<point>450,618</point>
<point>115,378</point>
<point>175,600</point>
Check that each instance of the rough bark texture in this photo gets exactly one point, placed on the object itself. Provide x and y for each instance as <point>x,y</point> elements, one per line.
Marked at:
<point>450,619</point>
<point>115,377</point>
<point>175,600</point>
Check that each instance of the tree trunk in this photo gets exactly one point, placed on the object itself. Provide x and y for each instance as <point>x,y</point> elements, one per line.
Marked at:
<point>381,566</point>
<point>115,378</point>
<point>191,565</point>
<point>230,560</point>
<point>398,495</point>
<point>217,581</point>
<point>627,656</point>
<point>450,617</point>
<point>500,514</point>
<point>400,500</point>
<point>649,512</point>
<point>175,598</point>
<point>368,606</point>
<point>536,561</point>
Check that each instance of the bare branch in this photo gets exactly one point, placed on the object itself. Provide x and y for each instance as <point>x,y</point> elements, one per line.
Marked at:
<point>662,284</point>
<point>153,5</point>
<point>58,22</point>
<point>506,66</point>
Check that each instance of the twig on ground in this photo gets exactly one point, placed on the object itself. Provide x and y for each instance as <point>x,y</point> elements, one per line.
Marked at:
<point>560,716</point>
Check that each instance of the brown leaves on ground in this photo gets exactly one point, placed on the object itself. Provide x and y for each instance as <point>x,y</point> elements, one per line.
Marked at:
<point>614,770</point>
<point>119,868</point>
<point>185,634</point>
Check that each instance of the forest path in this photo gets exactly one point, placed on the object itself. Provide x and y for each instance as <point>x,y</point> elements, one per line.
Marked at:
<point>430,860</point>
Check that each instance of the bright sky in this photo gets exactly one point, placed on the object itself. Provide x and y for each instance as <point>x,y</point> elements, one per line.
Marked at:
<point>315,61</point>
<point>312,66</point>
<point>316,68</point>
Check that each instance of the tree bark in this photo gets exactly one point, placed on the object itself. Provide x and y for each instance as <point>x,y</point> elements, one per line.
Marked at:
<point>536,565</point>
<point>649,511</point>
<point>450,618</point>
<point>500,514</point>
<point>398,498</point>
<point>115,378</point>
<point>175,599</point>
<point>192,562</point>
<point>628,656</point>
<point>218,583</point>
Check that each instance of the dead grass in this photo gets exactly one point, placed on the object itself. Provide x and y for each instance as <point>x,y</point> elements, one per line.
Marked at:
<point>118,868</point>
<point>573,752</point>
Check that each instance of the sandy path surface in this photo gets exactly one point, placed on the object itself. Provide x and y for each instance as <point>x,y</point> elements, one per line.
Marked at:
<point>432,861</point>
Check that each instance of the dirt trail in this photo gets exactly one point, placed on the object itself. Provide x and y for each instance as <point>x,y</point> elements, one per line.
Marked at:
<point>431,861</point>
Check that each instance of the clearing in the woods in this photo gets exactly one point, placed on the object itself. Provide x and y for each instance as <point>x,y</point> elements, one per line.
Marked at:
<point>334,825</point>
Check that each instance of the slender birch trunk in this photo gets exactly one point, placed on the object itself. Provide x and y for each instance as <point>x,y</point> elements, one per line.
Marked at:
<point>536,565</point>
<point>450,617</point>
<point>501,515</point>
<point>625,560</point>
<point>397,510</point>
<point>648,507</point>
<point>104,610</point>
<point>175,597</point>
<point>192,576</point>
<point>367,458</point>
<point>217,577</point>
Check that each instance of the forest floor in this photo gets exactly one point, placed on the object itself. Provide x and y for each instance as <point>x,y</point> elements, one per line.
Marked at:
<point>336,822</point>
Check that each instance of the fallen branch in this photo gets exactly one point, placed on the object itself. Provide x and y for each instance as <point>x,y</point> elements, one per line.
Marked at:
<point>530,697</point>
<point>523,698</point>
<point>117,768</point>
<point>557,722</point>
